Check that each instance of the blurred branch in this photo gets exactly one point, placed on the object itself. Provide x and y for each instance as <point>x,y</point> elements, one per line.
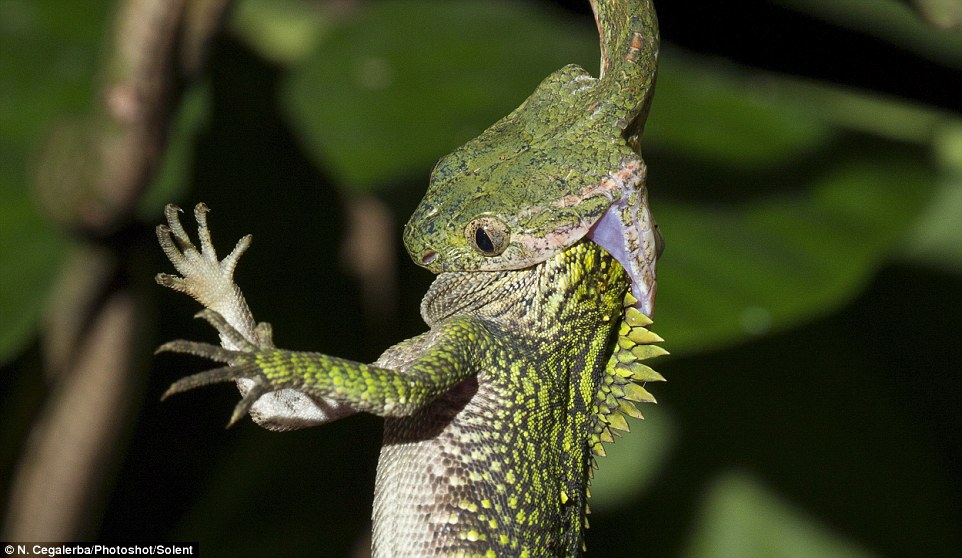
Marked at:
<point>368,254</point>
<point>92,172</point>
<point>91,176</point>
<point>69,450</point>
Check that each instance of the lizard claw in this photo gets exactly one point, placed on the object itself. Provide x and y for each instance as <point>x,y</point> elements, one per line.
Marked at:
<point>172,282</point>
<point>202,274</point>
<point>177,243</point>
<point>226,330</point>
<point>203,350</point>
<point>241,365</point>
<point>264,334</point>
<point>215,376</point>
<point>258,388</point>
<point>209,351</point>
<point>223,374</point>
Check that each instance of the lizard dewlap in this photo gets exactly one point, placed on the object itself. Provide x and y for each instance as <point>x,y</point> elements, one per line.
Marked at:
<point>545,250</point>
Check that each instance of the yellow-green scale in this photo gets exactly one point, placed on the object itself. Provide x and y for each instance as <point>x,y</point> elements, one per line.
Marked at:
<point>500,463</point>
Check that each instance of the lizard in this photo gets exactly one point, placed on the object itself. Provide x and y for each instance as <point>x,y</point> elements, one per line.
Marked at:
<point>544,247</point>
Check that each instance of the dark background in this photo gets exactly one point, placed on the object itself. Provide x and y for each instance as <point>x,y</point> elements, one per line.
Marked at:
<point>830,425</point>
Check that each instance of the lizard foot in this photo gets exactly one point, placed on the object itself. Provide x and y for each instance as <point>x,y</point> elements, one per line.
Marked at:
<point>211,283</point>
<point>241,363</point>
<point>200,268</point>
<point>203,277</point>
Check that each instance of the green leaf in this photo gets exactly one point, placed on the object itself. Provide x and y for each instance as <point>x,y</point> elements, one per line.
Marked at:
<point>778,199</point>
<point>941,13</point>
<point>282,30</point>
<point>865,112</point>
<point>403,84</point>
<point>769,263</point>
<point>634,461</point>
<point>937,240</point>
<point>741,518</point>
<point>709,113</point>
<point>48,50</point>
<point>30,255</point>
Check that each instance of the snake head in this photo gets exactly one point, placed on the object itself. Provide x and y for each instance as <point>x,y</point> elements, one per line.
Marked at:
<point>561,167</point>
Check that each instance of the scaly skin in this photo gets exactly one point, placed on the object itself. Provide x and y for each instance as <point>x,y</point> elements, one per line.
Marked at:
<point>545,248</point>
<point>492,414</point>
<point>506,454</point>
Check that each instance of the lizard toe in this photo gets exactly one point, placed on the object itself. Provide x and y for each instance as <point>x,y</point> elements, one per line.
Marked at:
<point>224,328</point>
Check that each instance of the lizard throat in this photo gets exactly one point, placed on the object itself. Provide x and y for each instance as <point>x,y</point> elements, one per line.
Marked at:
<point>626,232</point>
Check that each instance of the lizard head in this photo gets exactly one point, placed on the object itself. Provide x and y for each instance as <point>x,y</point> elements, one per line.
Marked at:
<point>561,167</point>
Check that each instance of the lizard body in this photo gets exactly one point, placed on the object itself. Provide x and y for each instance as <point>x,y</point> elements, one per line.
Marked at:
<point>540,233</point>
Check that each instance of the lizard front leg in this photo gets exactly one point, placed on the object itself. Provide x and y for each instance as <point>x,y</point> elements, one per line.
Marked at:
<point>211,282</point>
<point>448,354</point>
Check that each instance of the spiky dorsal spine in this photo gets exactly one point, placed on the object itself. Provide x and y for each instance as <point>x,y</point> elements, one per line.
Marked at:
<point>625,376</point>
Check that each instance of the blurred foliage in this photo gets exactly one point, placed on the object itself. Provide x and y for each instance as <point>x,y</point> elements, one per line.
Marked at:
<point>809,291</point>
<point>397,93</point>
<point>741,518</point>
<point>47,53</point>
<point>895,22</point>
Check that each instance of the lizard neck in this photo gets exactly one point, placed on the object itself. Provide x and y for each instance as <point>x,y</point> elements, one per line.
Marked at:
<point>560,293</point>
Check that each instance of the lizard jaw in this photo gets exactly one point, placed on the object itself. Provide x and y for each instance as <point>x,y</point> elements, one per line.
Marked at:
<point>627,232</point>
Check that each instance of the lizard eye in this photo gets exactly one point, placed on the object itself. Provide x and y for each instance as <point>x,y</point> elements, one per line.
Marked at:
<point>659,242</point>
<point>487,235</point>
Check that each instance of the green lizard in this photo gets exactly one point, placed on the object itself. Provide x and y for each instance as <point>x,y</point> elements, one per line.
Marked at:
<point>545,250</point>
